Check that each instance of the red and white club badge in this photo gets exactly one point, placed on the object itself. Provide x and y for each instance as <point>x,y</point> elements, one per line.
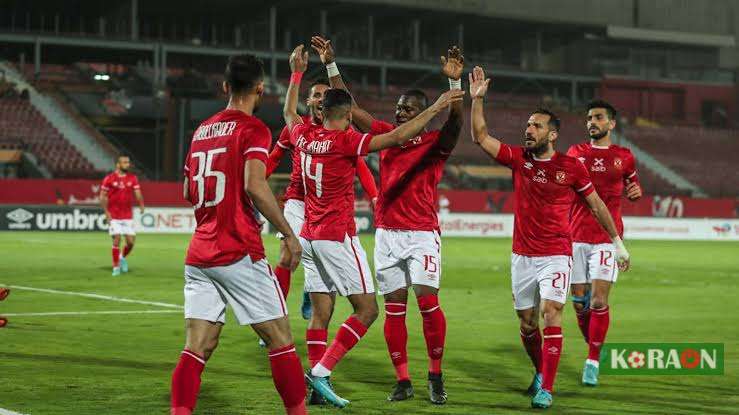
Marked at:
<point>560,177</point>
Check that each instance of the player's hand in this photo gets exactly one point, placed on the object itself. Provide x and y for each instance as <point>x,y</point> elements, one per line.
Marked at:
<point>324,49</point>
<point>452,64</point>
<point>141,209</point>
<point>298,59</point>
<point>633,191</point>
<point>446,99</point>
<point>478,83</point>
<point>295,249</point>
<point>373,204</point>
<point>107,216</point>
<point>622,255</point>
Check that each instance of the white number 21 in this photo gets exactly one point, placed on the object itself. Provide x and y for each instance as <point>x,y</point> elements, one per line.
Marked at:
<point>205,170</point>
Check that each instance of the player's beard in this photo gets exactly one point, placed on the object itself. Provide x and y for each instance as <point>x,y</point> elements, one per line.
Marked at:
<point>600,134</point>
<point>316,115</point>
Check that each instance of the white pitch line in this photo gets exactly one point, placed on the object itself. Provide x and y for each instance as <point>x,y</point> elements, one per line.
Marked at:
<point>7,412</point>
<point>84,313</point>
<point>93,295</point>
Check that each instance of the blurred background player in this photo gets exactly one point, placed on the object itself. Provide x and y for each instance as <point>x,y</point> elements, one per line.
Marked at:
<point>545,184</point>
<point>333,257</point>
<point>4,292</point>
<point>116,197</point>
<point>294,209</point>
<point>594,267</point>
<point>407,241</point>
<point>225,181</point>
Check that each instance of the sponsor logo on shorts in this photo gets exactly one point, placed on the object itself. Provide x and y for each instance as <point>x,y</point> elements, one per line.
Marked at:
<point>662,359</point>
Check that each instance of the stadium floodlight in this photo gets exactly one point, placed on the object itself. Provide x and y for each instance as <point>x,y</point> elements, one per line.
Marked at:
<point>101,77</point>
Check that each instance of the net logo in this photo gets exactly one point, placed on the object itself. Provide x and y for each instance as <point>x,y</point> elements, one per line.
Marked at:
<point>662,359</point>
<point>20,217</point>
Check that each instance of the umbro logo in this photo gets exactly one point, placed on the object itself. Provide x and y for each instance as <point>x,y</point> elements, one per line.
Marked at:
<point>528,165</point>
<point>19,215</point>
<point>553,350</point>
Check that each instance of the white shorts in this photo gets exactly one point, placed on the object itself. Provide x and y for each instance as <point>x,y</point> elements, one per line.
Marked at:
<point>537,278</point>
<point>250,288</point>
<point>332,266</point>
<point>403,258</point>
<point>593,262</point>
<point>121,227</point>
<point>294,212</point>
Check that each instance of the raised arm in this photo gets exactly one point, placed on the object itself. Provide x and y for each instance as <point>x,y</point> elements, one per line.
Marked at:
<point>255,185</point>
<point>408,130</point>
<point>603,216</point>
<point>452,66</point>
<point>361,118</point>
<point>366,179</point>
<point>480,136</point>
<point>298,65</point>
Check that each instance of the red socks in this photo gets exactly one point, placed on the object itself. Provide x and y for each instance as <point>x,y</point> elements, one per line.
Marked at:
<point>349,334</point>
<point>434,330</point>
<point>316,340</point>
<point>583,321</point>
<point>599,321</point>
<point>287,374</point>
<point>551,351</point>
<point>532,344</point>
<point>127,250</point>
<point>396,337</point>
<point>283,278</point>
<point>186,383</point>
<point>116,252</point>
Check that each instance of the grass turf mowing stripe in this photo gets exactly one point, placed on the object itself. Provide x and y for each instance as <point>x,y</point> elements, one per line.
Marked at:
<point>93,295</point>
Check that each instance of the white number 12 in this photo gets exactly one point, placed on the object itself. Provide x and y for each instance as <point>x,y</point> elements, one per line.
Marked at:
<point>205,170</point>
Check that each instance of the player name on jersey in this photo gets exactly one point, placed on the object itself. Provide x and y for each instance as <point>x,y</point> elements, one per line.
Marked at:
<point>216,129</point>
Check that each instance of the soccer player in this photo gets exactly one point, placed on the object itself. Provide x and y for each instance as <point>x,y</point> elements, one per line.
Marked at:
<point>546,184</point>
<point>407,241</point>
<point>594,269</point>
<point>116,195</point>
<point>225,181</point>
<point>294,210</point>
<point>333,257</point>
<point>4,292</point>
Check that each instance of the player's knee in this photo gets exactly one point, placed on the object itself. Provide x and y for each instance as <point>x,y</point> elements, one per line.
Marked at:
<point>202,346</point>
<point>598,302</point>
<point>552,313</point>
<point>529,326</point>
<point>367,315</point>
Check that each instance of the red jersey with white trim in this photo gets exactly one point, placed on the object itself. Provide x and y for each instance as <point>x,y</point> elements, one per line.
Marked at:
<point>120,194</point>
<point>294,189</point>
<point>544,193</point>
<point>409,179</point>
<point>227,226</point>
<point>611,168</point>
<point>328,160</point>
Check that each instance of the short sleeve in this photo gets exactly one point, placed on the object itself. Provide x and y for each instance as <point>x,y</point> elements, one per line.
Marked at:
<point>355,143</point>
<point>572,152</point>
<point>255,141</point>
<point>105,186</point>
<point>630,174</point>
<point>186,167</point>
<point>284,140</point>
<point>508,155</point>
<point>380,127</point>
<point>136,185</point>
<point>582,183</point>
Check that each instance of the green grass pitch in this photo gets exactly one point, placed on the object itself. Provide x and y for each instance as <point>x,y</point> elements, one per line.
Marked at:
<point>121,363</point>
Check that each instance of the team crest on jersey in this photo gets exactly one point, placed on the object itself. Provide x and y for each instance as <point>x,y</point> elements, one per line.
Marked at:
<point>617,163</point>
<point>560,177</point>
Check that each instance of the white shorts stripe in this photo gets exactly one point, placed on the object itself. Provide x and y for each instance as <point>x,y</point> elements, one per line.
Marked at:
<point>282,352</point>
<point>352,331</point>
<point>194,356</point>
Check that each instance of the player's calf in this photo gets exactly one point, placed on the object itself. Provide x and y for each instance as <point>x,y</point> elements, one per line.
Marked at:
<point>552,344</point>
<point>581,304</point>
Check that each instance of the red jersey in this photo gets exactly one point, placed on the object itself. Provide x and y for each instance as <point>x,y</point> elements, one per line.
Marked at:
<point>409,177</point>
<point>610,168</point>
<point>544,192</point>
<point>294,189</point>
<point>120,194</point>
<point>227,227</point>
<point>329,163</point>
